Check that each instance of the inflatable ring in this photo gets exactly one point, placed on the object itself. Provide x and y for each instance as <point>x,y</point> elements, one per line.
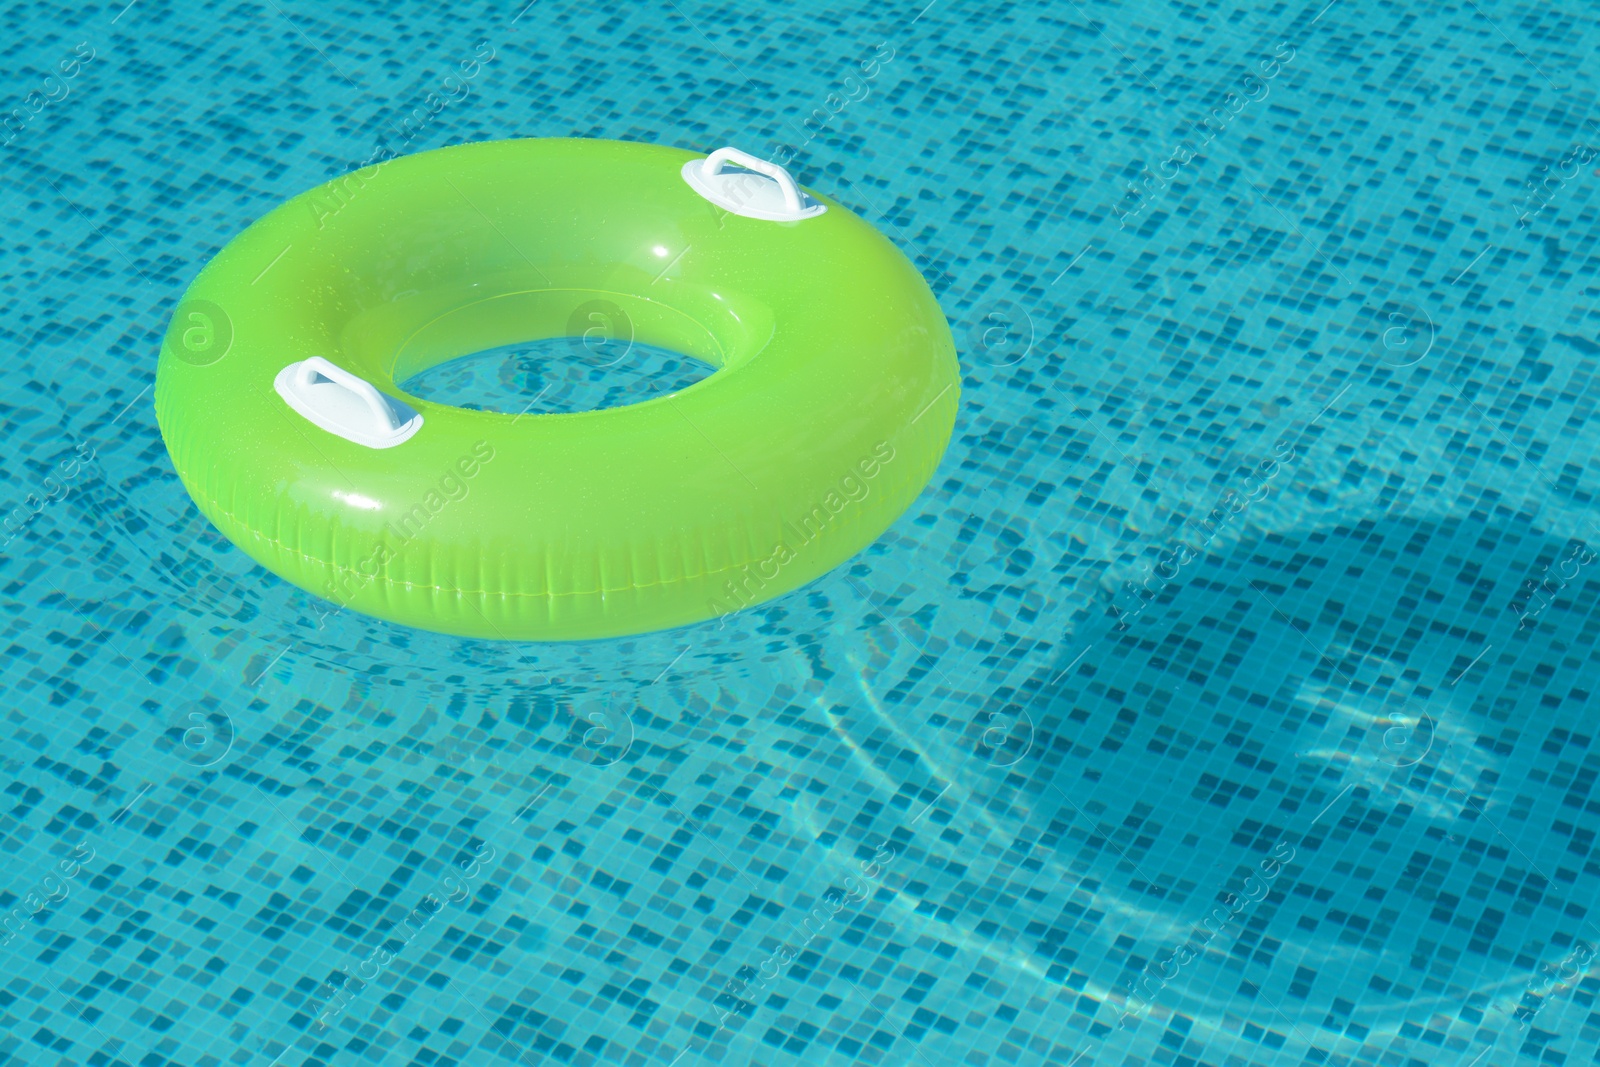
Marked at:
<point>833,399</point>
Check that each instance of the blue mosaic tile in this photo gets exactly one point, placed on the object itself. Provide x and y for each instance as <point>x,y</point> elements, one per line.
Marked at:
<point>1225,699</point>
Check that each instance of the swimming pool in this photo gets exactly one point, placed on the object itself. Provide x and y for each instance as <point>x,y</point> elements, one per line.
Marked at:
<point>1226,698</point>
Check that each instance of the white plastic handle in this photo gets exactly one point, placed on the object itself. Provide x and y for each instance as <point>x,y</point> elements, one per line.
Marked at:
<point>768,192</point>
<point>791,190</point>
<point>306,375</point>
<point>330,397</point>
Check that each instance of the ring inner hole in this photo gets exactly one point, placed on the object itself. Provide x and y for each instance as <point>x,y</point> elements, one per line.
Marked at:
<point>557,375</point>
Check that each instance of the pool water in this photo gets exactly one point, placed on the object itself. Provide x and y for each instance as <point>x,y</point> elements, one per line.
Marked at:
<point>1227,698</point>
<point>559,374</point>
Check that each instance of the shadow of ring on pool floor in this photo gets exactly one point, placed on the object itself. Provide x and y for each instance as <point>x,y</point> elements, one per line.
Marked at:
<point>1391,702</point>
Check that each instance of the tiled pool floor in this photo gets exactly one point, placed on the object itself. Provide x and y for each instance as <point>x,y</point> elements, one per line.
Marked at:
<point>1226,699</point>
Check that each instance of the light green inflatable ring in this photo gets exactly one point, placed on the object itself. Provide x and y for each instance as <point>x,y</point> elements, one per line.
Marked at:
<point>834,397</point>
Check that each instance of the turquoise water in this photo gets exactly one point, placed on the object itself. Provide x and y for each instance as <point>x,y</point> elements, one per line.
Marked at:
<point>559,374</point>
<point>1225,699</point>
